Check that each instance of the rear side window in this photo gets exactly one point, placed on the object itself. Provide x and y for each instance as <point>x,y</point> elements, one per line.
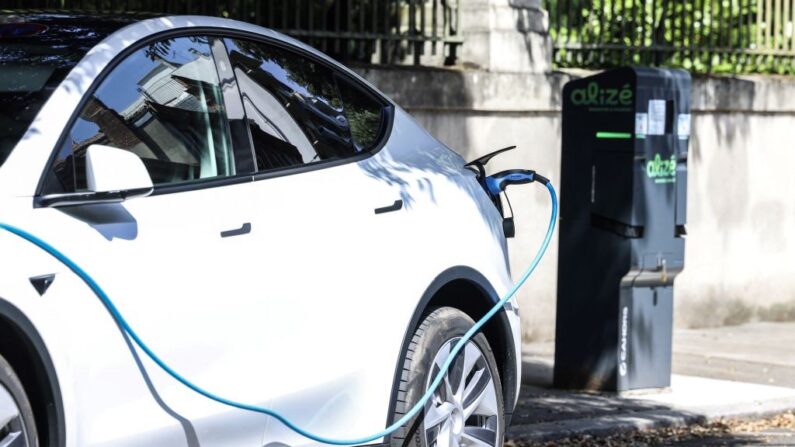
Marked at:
<point>301,111</point>
<point>163,103</point>
<point>365,114</point>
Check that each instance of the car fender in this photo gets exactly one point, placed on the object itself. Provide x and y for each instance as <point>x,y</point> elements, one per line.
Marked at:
<point>455,215</point>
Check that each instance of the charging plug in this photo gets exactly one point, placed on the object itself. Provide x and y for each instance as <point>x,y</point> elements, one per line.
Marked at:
<point>497,183</point>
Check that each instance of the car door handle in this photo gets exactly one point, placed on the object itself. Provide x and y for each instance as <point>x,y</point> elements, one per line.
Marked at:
<point>245,229</point>
<point>388,209</point>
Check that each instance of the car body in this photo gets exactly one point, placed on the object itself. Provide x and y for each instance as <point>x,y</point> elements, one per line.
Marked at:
<point>278,279</point>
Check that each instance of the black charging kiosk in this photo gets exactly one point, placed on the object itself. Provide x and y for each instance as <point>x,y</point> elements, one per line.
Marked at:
<point>622,225</point>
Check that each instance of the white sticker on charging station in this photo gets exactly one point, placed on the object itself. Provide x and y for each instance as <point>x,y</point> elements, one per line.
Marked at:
<point>641,123</point>
<point>683,126</point>
<point>656,117</point>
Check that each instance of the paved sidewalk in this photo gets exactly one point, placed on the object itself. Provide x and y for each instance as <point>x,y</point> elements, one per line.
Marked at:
<point>713,371</point>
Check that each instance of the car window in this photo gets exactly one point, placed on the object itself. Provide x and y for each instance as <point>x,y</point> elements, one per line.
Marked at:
<point>365,113</point>
<point>298,108</point>
<point>163,103</point>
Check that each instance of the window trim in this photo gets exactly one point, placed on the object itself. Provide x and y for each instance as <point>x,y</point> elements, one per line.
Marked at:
<point>222,33</point>
<point>242,145</point>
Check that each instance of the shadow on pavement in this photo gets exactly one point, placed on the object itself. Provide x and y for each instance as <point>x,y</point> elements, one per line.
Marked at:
<point>539,402</point>
<point>547,416</point>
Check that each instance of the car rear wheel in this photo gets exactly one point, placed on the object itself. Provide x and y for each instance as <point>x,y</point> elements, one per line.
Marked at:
<point>17,426</point>
<point>467,408</point>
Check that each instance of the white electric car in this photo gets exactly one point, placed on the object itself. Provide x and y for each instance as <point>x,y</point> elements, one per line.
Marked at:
<point>272,226</point>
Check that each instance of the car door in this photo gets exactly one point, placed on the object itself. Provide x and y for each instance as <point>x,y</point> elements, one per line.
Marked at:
<point>329,226</point>
<point>175,263</point>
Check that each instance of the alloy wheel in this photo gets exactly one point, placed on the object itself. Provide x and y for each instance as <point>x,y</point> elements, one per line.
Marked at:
<point>12,427</point>
<point>464,410</point>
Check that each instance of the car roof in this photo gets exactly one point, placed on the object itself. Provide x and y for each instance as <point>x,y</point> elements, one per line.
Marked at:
<point>69,17</point>
<point>73,31</point>
<point>86,29</point>
<point>101,23</point>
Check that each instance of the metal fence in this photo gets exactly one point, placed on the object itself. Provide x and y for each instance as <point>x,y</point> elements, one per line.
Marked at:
<point>367,31</point>
<point>700,35</point>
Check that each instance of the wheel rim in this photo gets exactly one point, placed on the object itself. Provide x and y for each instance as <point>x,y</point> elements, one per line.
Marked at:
<point>12,427</point>
<point>464,410</point>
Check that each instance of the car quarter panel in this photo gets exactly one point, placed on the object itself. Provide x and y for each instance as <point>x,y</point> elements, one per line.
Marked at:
<point>450,216</point>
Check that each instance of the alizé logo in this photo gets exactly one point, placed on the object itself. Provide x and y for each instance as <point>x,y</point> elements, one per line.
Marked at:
<point>662,170</point>
<point>596,96</point>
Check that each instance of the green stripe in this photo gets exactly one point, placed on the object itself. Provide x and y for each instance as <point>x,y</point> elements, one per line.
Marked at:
<point>614,135</point>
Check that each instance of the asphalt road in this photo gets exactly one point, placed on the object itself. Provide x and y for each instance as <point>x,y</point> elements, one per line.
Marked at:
<point>761,353</point>
<point>772,437</point>
<point>773,431</point>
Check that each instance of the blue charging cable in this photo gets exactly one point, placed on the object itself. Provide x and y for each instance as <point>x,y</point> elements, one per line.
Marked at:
<point>515,178</point>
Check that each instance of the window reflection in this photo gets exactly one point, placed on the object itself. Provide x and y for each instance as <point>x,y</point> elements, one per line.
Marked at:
<point>274,80</point>
<point>365,114</point>
<point>162,103</point>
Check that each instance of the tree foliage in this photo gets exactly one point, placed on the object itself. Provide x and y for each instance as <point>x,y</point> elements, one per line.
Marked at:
<point>722,36</point>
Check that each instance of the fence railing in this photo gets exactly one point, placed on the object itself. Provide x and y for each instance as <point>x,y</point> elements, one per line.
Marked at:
<point>367,31</point>
<point>700,35</point>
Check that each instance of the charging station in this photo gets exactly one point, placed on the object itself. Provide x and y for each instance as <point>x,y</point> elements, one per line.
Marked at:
<point>622,226</point>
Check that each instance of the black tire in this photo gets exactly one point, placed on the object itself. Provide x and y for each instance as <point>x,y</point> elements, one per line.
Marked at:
<point>10,381</point>
<point>436,329</point>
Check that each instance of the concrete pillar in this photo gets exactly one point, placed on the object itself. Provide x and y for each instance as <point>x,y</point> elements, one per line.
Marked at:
<point>505,36</point>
